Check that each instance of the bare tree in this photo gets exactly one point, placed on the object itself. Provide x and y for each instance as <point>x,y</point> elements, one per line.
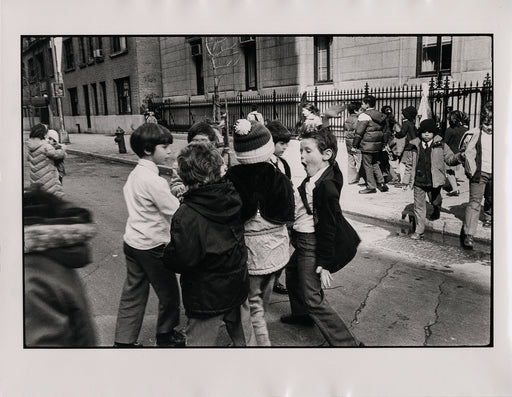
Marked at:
<point>222,53</point>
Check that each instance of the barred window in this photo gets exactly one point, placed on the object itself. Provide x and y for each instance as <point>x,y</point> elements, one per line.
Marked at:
<point>434,55</point>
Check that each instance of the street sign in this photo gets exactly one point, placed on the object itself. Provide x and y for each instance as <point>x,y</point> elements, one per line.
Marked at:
<point>58,90</point>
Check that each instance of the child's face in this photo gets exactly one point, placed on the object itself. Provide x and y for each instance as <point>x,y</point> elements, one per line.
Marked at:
<point>311,157</point>
<point>279,148</point>
<point>161,154</point>
<point>51,140</point>
<point>427,136</point>
<point>200,138</point>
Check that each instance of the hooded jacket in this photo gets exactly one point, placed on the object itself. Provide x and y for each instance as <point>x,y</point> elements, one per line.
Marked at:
<point>207,248</point>
<point>369,135</point>
<point>441,154</point>
<point>56,308</point>
<point>41,158</point>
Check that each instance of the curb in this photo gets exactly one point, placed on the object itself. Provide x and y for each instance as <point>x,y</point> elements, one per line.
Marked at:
<point>448,228</point>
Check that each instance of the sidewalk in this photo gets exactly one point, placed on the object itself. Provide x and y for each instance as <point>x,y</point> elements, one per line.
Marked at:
<point>389,207</point>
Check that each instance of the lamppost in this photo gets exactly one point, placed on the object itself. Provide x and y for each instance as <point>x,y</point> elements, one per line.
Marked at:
<point>64,137</point>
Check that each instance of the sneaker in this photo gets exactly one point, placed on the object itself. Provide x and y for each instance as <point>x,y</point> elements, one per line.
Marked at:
<point>171,339</point>
<point>297,320</point>
<point>353,182</point>
<point>127,345</point>
<point>367,191</point>
<point>382,187</point>
<point>435,215</point>
<point>361,184</point>
<point>280,289</point>
<point>417,236</point>
<point>468,241</point>
<point>453,193</point>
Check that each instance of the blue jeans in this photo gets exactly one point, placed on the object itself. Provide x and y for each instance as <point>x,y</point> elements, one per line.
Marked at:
<point>145,267</point>
<point>477,191</point>
<point>306,294</point>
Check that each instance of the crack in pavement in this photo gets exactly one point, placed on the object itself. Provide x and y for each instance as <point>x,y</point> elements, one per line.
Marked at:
<point>363,303</point>
<point>427,328</point>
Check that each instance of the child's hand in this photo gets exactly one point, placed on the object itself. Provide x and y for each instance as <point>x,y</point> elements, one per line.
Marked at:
<point>325,276</point>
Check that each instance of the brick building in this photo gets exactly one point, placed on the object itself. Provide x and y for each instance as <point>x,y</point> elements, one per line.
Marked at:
<point>108,81</point>
<point>37,76</point>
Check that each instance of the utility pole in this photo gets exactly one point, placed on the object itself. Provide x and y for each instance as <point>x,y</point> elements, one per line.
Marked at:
<point>64,137</point>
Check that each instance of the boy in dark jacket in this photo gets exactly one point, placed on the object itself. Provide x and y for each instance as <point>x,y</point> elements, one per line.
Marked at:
<point>428,157</point>
<point>316,236</point>
<point>207,248</point>
<point>370,139</point>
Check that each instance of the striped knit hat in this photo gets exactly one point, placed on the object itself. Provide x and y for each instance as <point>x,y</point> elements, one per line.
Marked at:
<point>252,142</point>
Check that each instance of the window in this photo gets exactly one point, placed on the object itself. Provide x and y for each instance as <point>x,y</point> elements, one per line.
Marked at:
<point>50,62</point>
<point>73,98</point>
<point>197,57</point>
<point>119,44</point>
<point>104,96</point>
<point>434,55</point>
<point>90,49</point>
<point>95,98</point>
<point>123,96</point>
<point>81,50</point>
<point>251,80</point>
<point>322,59</point>
<point>99,43</point>
<point>41,69</point>
<point>68,53</point>
<point>31,70</point>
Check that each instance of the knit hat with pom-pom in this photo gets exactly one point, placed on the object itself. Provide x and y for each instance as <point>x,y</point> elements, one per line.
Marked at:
<point>252,142</point>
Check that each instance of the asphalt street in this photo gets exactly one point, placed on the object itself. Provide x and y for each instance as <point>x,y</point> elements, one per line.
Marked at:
<point>392,294</point>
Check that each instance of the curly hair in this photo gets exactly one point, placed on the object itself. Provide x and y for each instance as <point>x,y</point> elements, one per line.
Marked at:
<point>199,164</point>
<point>202,128</point>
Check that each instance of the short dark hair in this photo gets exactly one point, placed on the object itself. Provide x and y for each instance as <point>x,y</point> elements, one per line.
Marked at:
<point>254,107</point>
<point>279,132</point>
<point>325,139</point>
<point>370,100</point>
<point>38,131</point>
<point>487,113</point>
<point>353,106</point>
<point>312,108</point>
<point>147,136</point>
<point>201,128</point>
<point>199,164</point>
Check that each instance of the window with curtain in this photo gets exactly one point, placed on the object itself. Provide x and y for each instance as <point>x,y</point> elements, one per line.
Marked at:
<point>434,55</point>
<point>323,59</point>
<point>118,44</point>
<point>123,95</point>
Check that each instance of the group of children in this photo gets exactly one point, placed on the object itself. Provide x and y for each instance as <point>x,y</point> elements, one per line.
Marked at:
<point>227,233</point>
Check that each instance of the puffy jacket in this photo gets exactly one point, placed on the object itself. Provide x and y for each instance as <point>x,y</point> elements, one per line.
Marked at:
<point>207,248</point>
<point>350,130</point>
<point>441,154</point>
<point>473,154</point>
<point>369,135</point>
<point>56,308</point>
<point>41,158</point>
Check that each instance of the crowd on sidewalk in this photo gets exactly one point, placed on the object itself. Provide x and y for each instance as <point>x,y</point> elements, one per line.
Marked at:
<point>227,230</point>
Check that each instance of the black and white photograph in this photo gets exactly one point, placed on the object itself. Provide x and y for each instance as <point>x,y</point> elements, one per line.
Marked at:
<point>196,197</point>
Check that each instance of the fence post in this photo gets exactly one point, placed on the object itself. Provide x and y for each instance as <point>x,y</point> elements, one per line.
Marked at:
<point>189,110</point>
<point>366,89</point>
<point>486,89</point>
<point>274,105</point>
<point>315,99</point>
<point>240,105</point>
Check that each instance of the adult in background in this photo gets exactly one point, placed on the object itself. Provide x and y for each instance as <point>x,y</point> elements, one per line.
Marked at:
<point>369,138</point>
<point>478,167</point>
<point>55,246</point>
<point>452,138</point>
<point>255,115</point>
<point>41,159</point>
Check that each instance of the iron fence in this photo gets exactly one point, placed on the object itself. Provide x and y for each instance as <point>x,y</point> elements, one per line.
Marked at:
<point>443,97</point>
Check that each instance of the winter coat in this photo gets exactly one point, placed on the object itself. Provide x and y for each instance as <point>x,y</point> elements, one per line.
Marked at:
<point>369,135</point>
<point>327,217</point>
<point>268,206</point>
<point>441,154</point>
<point>41,158</point>
<point>473,154</point>
<point>409,132</point>
<point>350,130</point>
<point>452,137</point>
<point>56,308</point>
<point>207,248</point>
